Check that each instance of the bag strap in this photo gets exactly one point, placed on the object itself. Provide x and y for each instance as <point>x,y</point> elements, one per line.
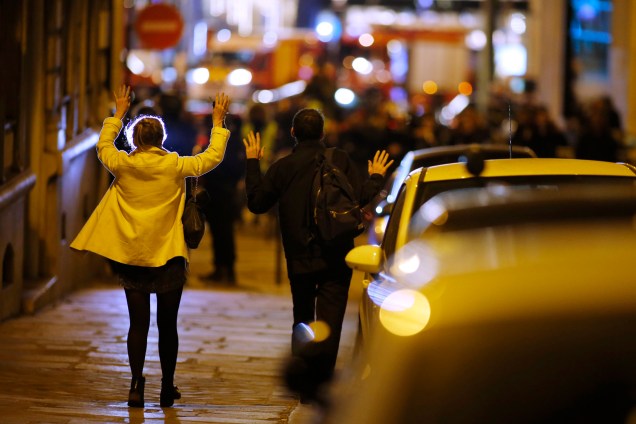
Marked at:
<point>194,188</point>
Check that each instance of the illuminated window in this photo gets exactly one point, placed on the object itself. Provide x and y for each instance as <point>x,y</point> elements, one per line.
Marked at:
<point>591,37</point>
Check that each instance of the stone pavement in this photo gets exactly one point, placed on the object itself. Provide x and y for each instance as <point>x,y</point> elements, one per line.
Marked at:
<point>68,363</point>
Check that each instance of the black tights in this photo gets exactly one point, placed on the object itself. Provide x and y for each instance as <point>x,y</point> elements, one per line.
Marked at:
<point>139,312</point>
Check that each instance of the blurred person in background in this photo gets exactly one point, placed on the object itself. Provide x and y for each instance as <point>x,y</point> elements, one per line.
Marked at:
<point>143,108</point>
<point>523,121</point>
<point>599,137</point>
<point>286,109</point>
<point>258,121</point>
<point>425,131</point>
<point>223,210</point>
<point>469,127</point>
<point>365,130</point>
<point>183,132</point>
<point>547,137</point>
<point>321,88</point>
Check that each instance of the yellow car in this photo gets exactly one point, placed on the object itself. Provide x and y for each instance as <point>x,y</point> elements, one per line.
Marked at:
<point>432,156</point>
<point>373,261</point>
<point>512,305</point>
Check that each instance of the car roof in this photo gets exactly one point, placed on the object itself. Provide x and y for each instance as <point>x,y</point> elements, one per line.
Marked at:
<point>458,149</point>
<point>432,156</point>
<point>522,167</point>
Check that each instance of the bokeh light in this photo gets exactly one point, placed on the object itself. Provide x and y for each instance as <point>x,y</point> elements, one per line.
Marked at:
<point>429,87</point>
<point>321,330</point>
<point>465,88</point>
<point>239,77</point>
<point>405,312</point>
<point>135,64</point>
<point>199,75</point>
<point>518,23</point>
<point>344,96</point>
<point>366,40</point>
<point>362,66</point>
<point>476,40</point>
<point>223,35</point>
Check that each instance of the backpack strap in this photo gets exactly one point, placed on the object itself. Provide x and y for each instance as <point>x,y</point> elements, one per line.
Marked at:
<point>329,153</point>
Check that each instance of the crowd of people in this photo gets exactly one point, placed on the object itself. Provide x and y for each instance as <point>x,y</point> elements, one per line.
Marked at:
<point>378,123</point>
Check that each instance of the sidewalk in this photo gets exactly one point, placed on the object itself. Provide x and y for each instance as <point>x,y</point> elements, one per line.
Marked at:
<point>68,363</point>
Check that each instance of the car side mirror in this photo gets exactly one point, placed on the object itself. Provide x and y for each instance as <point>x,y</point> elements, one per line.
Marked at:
<point>366,258</point>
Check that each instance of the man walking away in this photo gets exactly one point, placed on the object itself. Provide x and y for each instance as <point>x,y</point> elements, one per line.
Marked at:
<point>318,274</point>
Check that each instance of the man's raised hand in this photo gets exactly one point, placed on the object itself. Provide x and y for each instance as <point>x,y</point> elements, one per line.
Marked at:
<point>252,143</point>
<point>379,164</point>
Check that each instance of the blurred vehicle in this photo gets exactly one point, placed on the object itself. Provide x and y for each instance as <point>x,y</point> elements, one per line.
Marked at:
<point>430,157</point>
<point>511,305</point>
<point>378,273</point>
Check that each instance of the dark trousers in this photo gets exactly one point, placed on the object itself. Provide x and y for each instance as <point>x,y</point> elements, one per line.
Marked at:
<point>320,296</point>
<point>220,214</point>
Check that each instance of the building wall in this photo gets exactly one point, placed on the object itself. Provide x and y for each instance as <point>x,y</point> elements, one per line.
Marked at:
<point>63,58</point>
<point>623,87</point>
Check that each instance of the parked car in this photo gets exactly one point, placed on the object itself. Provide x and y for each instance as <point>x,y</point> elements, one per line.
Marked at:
<point>430,157</point>
<point>530,308</point>
<point>377,272</point>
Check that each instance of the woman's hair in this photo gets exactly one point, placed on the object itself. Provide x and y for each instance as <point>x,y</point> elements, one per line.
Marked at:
<point>146,131</point>
<point>308,124</point>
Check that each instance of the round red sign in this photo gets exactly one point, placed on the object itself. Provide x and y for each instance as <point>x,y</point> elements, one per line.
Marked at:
<point>159,26</point>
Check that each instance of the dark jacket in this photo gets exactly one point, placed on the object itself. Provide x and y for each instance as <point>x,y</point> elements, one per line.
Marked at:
<point>288,182</point>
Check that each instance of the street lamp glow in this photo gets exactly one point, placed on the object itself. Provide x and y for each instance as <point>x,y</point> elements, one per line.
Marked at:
<point>429,87</point>
<point>200,39</point>
<point>200,75</point>
<point>265,96</point>
<point>239,77</point>
<point>476,40</point>
<point>344,96</point>
<point>223,35</point>
<point>135,64</point>
<point>394,47</point>
<point>518,23</point>
<point>328,26</point>
<point>366,40</point>
<point>325,31</point>
<point>169,74</point>
<point>362,66</point>
<point>270,39</point>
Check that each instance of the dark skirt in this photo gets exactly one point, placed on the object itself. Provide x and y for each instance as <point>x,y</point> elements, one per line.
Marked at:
<point>162,279</point>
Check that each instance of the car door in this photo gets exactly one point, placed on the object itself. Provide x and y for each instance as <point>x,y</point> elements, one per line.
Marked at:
<point>377,286</point>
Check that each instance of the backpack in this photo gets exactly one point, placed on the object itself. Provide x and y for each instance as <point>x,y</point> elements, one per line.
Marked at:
<point>335,211</point>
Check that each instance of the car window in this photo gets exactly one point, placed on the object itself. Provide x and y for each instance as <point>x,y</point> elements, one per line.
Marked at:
<point>391,232</point>
<point>547,182</point>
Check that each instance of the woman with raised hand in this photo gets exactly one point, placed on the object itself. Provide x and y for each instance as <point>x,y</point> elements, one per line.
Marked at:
<point>137,227</point>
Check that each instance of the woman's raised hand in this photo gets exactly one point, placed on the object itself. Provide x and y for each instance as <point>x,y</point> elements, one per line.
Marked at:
<point>379,164</point>
<point>122,101</point>
<point>253,149</point>
<point>221,106</point>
